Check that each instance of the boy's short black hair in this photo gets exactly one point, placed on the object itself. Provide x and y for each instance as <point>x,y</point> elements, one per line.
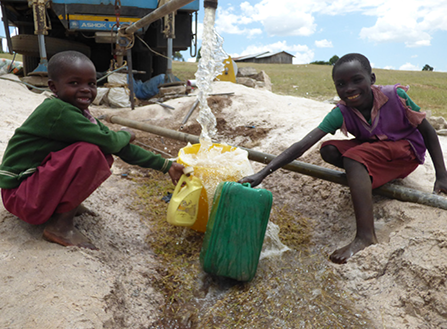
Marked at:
<point>58,61</point>
<point>364,62</point>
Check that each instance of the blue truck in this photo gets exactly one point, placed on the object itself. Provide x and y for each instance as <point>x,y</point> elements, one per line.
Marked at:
<point>90,26</point>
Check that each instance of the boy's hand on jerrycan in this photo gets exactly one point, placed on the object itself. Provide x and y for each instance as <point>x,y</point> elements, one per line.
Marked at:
<point>254,179</point>
<point>176,171</point>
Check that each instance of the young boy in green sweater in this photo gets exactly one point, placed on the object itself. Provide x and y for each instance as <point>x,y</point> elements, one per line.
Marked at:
<point>61,154</point>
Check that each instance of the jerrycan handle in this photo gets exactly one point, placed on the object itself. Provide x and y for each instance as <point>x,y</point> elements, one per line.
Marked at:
<point>188,171</point>
<point>183,180</point>
<point>247,185</point>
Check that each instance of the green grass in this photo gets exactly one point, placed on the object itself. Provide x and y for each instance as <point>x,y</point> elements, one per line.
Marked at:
<point>184,70</point>
<point>427,89</point>
<point>9,56</point>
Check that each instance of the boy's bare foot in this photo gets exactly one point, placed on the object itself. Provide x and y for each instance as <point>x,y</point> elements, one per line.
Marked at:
<point>341,256</point>
<point>70,238</point>
<point>60,229</point>
<point>84,210</point>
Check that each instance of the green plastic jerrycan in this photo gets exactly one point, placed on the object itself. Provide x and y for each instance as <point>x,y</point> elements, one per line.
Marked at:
<point>184,204</point>
<point>235,231</point>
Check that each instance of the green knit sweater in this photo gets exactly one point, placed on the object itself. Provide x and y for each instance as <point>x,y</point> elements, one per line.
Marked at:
<point>54,125</point>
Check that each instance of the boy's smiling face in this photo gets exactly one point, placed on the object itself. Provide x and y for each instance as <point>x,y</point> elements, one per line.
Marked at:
<point>353,84</point>
<point>76,84</point>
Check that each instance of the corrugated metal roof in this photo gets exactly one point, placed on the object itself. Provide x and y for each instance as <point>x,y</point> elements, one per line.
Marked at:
<point>269,54</point>
<point>250,56</point>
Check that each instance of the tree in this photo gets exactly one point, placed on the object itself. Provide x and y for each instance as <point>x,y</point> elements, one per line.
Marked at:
<point>334,59</point>
<point>178,56</point>
<point>199,55</point>
<point>427,68</point>
<point>320,63</point>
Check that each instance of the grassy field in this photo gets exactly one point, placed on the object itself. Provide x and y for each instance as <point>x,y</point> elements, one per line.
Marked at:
<point>9,56</point>
<point>427,89</point>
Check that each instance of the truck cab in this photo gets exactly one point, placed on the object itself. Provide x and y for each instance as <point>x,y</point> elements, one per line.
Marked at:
<point>90,26</point>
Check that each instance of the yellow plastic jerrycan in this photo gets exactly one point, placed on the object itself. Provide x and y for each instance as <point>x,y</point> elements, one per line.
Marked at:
<point>229,72</point>
<point>184,205</point>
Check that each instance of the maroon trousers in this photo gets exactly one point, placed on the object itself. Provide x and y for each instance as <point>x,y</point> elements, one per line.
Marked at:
<point>384,160</point>
<point>63,180</point>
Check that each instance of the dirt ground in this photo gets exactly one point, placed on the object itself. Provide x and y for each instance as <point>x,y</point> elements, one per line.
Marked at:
<point>400,282</point>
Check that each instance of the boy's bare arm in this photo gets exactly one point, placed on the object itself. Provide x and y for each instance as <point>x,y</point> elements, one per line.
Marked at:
<point>434,148</point>
<point>293,152</point>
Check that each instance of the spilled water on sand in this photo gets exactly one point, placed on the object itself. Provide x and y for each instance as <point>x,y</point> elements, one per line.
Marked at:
<point>296,288</point>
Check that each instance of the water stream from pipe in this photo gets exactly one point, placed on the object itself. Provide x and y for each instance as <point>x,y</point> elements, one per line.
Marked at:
<point>210,66</point>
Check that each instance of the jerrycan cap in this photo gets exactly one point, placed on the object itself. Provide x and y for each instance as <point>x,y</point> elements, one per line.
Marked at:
<point>188,170</point>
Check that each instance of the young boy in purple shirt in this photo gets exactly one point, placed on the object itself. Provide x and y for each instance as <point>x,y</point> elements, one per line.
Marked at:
<point>391,137</point>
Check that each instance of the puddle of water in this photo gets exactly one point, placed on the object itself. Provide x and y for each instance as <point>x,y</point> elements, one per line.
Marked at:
<point>295,289</point>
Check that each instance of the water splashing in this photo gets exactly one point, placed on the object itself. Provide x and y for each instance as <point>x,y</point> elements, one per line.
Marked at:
<point>210,66</point>
<point>272,244</point>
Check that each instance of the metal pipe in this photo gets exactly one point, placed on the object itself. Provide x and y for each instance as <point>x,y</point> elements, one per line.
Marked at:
<point>158,13</point>
<point>169,53</point>
<point>42,49</point>
<point>388,190</point>
<point>210,4</point>
<point>193,107</point>
<point>177,135</point>
<point>169,77</point>
<point>41,29</point>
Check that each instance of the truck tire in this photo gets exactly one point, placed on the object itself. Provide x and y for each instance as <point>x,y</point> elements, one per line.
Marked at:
<point>28,45</point>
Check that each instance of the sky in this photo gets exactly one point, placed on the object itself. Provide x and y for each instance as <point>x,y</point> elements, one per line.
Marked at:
<point>393,34</point>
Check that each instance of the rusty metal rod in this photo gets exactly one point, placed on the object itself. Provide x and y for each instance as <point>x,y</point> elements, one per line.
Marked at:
<point>193,107</point>
<point>153,129</point>
<point>388,190</point>
<point>158,13</point>
<point>130,78</point>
